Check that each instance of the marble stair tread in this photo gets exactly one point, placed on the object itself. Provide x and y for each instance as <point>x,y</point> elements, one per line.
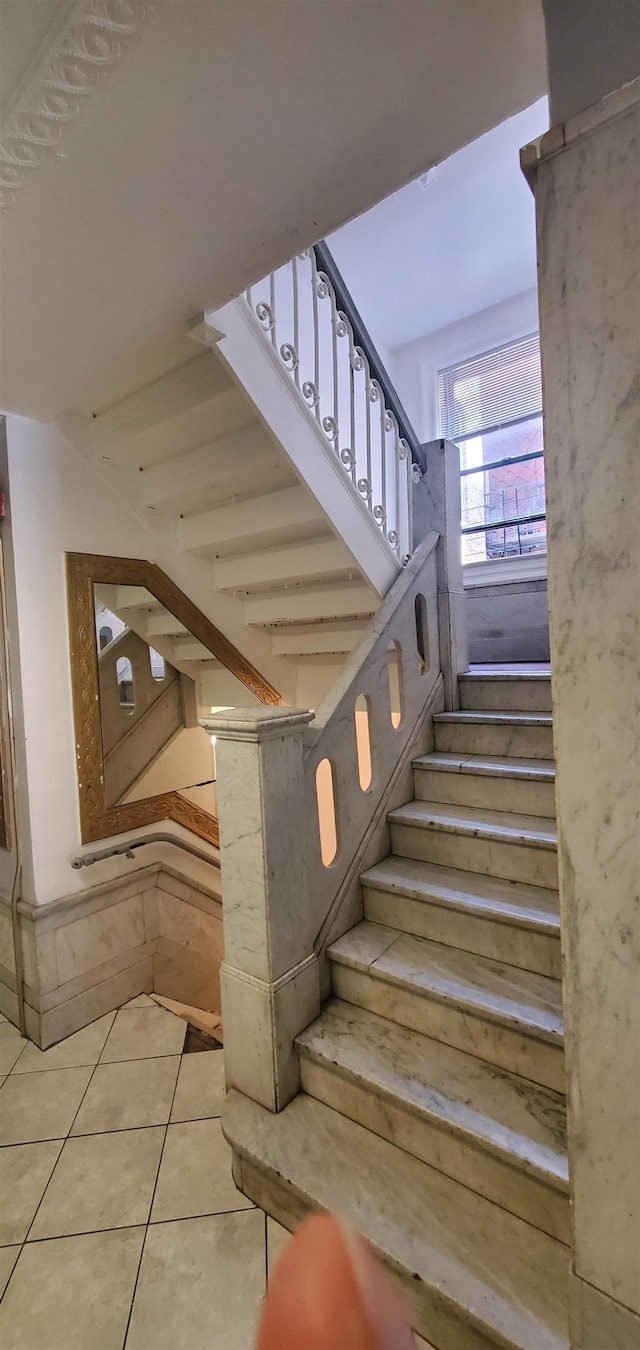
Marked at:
<point>503,673</point>
<point>470,892</point>
<point>507,995</point>
<point>488,718</point>
<point>516,1120</point>
<point>492,1271</point>
<point>489,766</point>
<point>500,826</point>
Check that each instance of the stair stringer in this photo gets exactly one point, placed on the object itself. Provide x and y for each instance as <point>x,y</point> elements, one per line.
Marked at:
<point>262,376</point>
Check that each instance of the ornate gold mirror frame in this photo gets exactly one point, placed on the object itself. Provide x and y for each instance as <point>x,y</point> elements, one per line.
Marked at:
<point>97,819</point>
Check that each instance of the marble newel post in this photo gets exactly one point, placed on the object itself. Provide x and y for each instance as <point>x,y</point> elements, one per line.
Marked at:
<point>270,985</point>
<point>436,506</point>
<point>586,178</point>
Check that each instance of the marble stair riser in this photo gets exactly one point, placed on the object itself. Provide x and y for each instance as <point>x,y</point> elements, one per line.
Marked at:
<point>509,1048</point>
<point>489,792</point>
<point>432,1316</point>
<point>456,1154</point>
<point>495,738</point>
<point>505,695</point>
<point>493,858</point>
<point>516,946</point>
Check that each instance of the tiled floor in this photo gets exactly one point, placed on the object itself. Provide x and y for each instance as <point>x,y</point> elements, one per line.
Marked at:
<point>120,1223</point>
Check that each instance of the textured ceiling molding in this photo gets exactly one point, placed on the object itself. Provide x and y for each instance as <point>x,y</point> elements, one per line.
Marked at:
<point>81,55</point>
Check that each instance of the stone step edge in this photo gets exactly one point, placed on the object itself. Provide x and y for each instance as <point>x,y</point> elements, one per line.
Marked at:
<point>513,675</point>
<point>410,816</point>
<point>471,1007</point>
<point>377,880</point>
<point>488,717</point>
<point>486,1325</point>
<point>484,1143</point>
<point>497,766</point>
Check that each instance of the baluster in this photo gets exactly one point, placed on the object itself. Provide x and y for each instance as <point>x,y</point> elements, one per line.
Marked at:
<point>296,321</point>
<point>272,304</point>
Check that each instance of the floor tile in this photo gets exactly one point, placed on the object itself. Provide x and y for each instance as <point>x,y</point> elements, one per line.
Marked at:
<point>82,1048</point>
<point>124,1096</point>
<point>140,1001</point>
<point>143,1033</point>
<point>277,1239</point>
<point>8,1258</point>
<point>195,1173</point>
<point>12,1045</point>
<point>40,1105</point>
<point>24,1172</point>
<point>72,1293</point>
<point>200,1285</point>
<point>200,1090</point>
<point>101,1181</point>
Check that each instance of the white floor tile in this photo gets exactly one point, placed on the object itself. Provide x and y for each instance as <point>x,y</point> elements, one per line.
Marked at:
<point>12,1046</point>
<point>72,1293</point>
<point>200,1090</point>
<point>143,1033</point>
<point>83,1047</point>
<point>8,1258</point>
<point>40,1105</point>
<point>200,1284</point>
<point>195,1173</point>
<point>128,1095</point>
<point>24,1172</point>
<point>101,1181</point>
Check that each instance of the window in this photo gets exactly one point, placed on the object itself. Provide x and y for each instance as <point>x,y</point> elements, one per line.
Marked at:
<point>491,406</point>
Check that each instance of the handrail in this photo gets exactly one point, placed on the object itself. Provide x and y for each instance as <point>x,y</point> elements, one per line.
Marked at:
<point>343,389</point>
<point>326,263</point>
<point>126,849</point>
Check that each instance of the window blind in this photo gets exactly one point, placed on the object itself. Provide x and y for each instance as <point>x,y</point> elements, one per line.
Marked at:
<point>490,391</point>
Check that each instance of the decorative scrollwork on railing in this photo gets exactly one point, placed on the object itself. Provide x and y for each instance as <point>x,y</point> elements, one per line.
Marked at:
<point>289,356</point>
<point>346,400</point>
<point>265,316</point>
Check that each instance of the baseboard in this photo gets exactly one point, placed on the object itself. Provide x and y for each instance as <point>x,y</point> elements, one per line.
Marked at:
<point>154,931</point>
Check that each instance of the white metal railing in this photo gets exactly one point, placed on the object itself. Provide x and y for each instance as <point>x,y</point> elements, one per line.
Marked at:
<point>299,314</point>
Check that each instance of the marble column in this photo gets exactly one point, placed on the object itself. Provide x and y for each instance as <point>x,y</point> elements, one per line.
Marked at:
<point>585,176</point>
<point>269,978</point>
<point>436,506</point>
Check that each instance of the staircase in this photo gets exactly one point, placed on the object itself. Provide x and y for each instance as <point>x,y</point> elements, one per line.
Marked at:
<point>432,1112</point>
<point>193,459</point>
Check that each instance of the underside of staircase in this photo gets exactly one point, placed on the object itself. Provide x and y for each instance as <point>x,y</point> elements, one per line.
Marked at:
<point>432,1110</point>
<point>192,457</point>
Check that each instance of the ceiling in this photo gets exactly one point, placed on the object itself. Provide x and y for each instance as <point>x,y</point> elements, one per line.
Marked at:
<point>213,141</point>
<point>438,251</point>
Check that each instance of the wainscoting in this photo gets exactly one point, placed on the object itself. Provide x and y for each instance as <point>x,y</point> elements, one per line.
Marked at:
<point>84,955</point>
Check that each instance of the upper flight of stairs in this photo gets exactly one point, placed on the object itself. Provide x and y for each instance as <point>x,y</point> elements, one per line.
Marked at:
<point>195,461</point>
<point>432,1112</point>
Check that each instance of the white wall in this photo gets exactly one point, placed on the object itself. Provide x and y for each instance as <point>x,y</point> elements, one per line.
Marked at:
<point>416,365</point>
<point>58,504</point>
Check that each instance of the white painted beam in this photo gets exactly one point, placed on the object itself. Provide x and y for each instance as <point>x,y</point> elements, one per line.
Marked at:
<point>225,460</point>
<point>134,597</point>
<point>189,649</point>
<point>253,518</point>
<point>319,639</point>
<point>299,605</point>
<point>194,382</point>
<point>327,557</point>
<point>164,624</point>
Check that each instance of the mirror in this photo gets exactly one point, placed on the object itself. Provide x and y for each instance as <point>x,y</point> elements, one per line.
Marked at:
<point>147,669</point>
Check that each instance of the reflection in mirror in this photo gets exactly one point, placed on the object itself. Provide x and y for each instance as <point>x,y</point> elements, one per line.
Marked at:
<point>156,680</point>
